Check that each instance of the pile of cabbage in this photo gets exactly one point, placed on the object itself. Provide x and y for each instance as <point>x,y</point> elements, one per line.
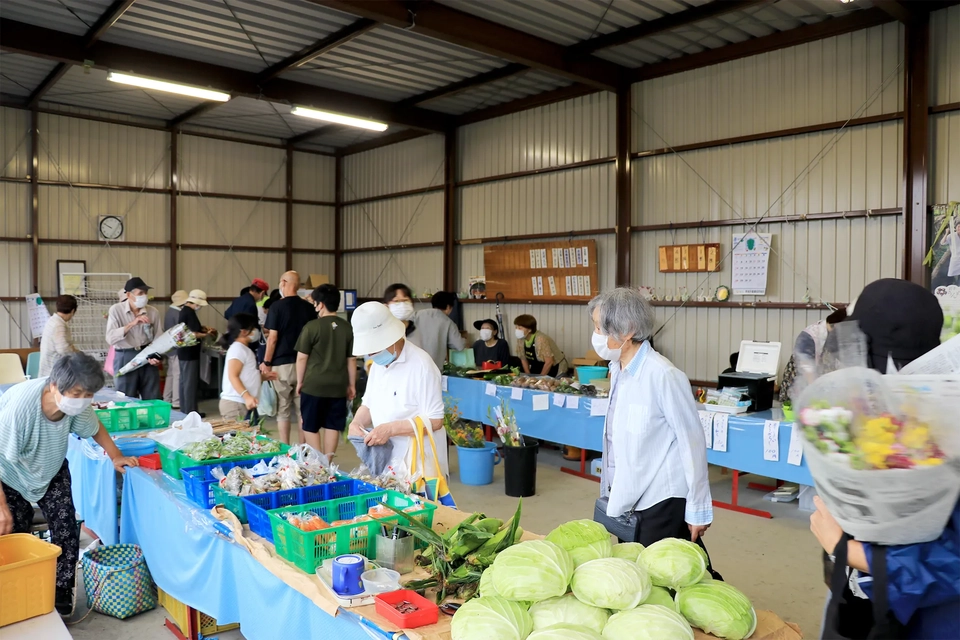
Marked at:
<point>577,585</point>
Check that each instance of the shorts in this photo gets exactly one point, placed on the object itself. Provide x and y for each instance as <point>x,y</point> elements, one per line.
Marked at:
<point>230,410</point>
<point>323,413</point>
<point>288,402</point>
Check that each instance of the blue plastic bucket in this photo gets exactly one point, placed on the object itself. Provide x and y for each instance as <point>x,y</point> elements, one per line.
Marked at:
<point>587,374</point>
<point>476,465</point>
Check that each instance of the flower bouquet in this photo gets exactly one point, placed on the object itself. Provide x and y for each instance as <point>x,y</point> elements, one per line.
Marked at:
<point>173,338</point>
<point>506,424</point>
<point>462,433</point>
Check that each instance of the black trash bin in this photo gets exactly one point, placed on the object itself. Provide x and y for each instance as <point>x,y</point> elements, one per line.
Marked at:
<point>520,469</point>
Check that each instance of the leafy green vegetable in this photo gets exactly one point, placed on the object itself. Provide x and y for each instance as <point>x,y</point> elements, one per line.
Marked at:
<point>627,550</point>
<point>491,617</point>
<point>647,622</point>
<point>585,540</point>
<point>534,570</point>
<point>565,631</point>
<point>718,608</point>
<point>567,609</point>
<point>674,563</point>
<point>486,583</point>
<point>611,583</point>
<point>659,595</point>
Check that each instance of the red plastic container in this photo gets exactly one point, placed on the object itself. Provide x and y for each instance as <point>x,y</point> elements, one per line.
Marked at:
<point>426,613</point>
<point>151,461</point>
<point>490,366</point>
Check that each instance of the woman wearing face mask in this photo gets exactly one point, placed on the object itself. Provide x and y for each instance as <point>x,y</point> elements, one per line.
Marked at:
<point>399,300</point>
<point>240,389</point>
<point>404,384</point>
<point>539,354</point>
<point>490,347</point>
<point>654,455</point>
<point>56,341</point>
<point>36,420</point>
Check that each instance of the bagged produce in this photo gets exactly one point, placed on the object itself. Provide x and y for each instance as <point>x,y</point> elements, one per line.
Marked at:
<point>718,608</point>
<point>491,617</point>
<point>611,583</point>
<point>567,609</point>
<point>647,622</point>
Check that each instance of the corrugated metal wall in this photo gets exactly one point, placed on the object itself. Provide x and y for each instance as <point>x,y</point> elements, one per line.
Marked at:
<point>944,157</point>
<point>14,223</point>
<point>944,89</point>
<point>399,167</point>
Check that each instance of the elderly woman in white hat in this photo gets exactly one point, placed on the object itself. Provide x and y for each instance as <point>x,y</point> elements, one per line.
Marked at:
<point>404,384</point>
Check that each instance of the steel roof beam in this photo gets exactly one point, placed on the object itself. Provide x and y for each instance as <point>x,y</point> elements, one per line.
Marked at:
<point>472,82</point>
<point>316,133</point>
<point>322,46</point>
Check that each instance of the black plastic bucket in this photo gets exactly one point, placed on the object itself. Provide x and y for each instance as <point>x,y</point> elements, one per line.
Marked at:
<point>520,469</point>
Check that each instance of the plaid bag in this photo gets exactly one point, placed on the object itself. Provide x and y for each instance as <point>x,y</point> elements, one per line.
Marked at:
<point>117,581</point>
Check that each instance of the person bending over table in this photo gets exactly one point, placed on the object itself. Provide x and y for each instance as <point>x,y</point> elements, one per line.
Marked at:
<point>490,347</point>
<point>539,354</point>
<point>404,383</point>
<point>654,454</point>
<point>36,420</point>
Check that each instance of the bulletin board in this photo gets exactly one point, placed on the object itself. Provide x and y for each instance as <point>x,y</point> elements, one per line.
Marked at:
<point>556,271</point>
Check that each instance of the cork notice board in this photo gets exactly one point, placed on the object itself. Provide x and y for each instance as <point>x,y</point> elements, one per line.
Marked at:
<point>564,271</point>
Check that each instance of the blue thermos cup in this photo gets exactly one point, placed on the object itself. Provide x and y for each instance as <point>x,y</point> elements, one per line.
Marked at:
<point>346,574</point>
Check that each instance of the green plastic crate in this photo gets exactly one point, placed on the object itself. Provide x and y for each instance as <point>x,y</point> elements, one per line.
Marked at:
<point>172,461</point>
<point>139,415</point>
<point>308,549</point>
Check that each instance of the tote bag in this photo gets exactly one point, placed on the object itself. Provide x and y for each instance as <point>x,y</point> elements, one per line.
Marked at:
<point>432,488</point>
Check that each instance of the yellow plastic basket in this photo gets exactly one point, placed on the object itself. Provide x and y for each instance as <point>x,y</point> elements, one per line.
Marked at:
<point>178,611</point>
<point>28,576</point>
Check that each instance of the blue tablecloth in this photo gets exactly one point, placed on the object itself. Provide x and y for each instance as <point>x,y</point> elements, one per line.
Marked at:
<point>745,449</point>
<point>192,562</point>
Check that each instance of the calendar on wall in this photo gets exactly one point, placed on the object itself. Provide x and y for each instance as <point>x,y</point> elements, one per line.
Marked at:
<point>751,263</point>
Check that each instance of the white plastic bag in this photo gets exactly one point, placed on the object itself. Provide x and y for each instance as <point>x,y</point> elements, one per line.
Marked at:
<point>183,432</point>
<point>268,400</point>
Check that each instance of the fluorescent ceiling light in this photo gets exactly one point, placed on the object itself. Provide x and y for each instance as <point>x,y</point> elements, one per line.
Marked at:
<point>339,119</point>
<point>169,87</point>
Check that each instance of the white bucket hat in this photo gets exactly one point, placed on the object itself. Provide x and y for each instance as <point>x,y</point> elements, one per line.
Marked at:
<point>198,297</point>
<point>374,328</point>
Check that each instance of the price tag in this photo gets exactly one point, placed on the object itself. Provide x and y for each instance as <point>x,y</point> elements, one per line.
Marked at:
<point>706,421</point>
<point>771,440</point>
<point>720,431</point>
<point>491,389</point>
<point>573,402</point>
<point>541,402</point>
<point>516,393</point>
<point>795,455</point>
<point>558,399</point>
<point>443,382</point>
<point>598,406</point>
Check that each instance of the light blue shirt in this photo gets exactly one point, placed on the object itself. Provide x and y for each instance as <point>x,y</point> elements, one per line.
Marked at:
<point>32,448</point>
<point>653,446</point>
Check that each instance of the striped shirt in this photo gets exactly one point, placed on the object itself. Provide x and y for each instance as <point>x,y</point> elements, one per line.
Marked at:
<point>653,446</point>
<point>32,448</point>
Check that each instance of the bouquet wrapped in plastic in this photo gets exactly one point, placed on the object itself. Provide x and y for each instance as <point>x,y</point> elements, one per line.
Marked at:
<point>173,338</point>
<point>462,433</point>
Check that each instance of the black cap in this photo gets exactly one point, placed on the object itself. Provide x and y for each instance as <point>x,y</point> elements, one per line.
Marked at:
<point>901,320</point>
<point>479,324</point>
<point>135,283</point>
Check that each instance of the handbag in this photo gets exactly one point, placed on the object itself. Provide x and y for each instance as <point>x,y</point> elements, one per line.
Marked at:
<point>435,488</point>
<point>108,364</point>
<point>851,618</point>
<point>117,581</point>
<point>626,527</point>
<point>268,400</point>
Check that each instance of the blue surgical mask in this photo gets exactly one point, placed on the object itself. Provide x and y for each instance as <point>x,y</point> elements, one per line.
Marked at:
<point>383,358</point>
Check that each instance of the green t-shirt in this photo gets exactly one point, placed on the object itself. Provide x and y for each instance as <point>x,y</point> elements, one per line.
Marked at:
<point>328,343</point>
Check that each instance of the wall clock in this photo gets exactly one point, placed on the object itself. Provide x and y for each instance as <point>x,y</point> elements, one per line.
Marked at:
<point>110,228</point>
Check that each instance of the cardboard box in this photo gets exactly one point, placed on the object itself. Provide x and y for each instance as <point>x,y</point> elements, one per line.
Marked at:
<point>589,360</point>
<point>314,281</point>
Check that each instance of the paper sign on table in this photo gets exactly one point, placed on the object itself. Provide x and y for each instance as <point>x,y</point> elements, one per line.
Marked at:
<point>491,389</point>
<point>443,382</point>
<point>516,393</point>
<point>558,399</point>
<point>706,421</point>
<point>598,406</point>
<point>720,432</point>
<point>795,455</point>
<point>573,402</point>
<point>771,440</point>
<point>541,402</point>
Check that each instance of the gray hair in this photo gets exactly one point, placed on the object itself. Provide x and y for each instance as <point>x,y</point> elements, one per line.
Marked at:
<point>624,311</point>
<point>77,370</point>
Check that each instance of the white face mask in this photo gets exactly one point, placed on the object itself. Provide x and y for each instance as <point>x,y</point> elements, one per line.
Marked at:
<point>73,406</point>
<point>486,334</point>
<point>599,343</point>
<point>140,302</point>
<point>520,334</point>
<point>261,315</point>
<point>401,310</point>
<point>255,336</point>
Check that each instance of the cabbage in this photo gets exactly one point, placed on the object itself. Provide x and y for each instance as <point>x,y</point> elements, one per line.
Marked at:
<point>718,608</point>
<point>647,622</point>
<point>490,617</point>
<point>627,550</point>
<point>585,540</point>
<point>485,587</point>
<point>674,563</point>
<point>611,583</point>
<point>567,609</point>
<point>532,571</point>
<point>659,595</point>
<point>565,632</point>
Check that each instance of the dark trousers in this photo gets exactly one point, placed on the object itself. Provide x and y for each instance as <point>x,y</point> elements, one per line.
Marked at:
<point>666,520</point>
<point>189,382</point>
<point>144,383</point>
<point>57,507</point>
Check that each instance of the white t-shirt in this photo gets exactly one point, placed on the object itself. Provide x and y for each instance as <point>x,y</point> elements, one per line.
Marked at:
<point>249,374</point>
<point>408,388</point>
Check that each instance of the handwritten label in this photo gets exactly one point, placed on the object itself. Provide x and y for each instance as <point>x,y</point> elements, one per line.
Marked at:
<point>558,399</point>
<point>443,382</point>
<point>573,402</point>
<point>598,406</point>
<point>771,440</point>
<point>516,393</point>
<point>706,421</point>
<point>795,455</point>
<point>541,402</point>
<point>720,432</point>
<point>490,389</point>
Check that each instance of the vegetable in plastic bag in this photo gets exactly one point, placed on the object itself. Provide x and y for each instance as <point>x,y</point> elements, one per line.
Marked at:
<point>718,608</point>
<point>627,550</point>
<point>674,563</point>
<point>491,617</point>
<point>659,595</point>
<point>647,622</point>
<point>567,609</point>
<point>585,540</point>
<point>532,571</point>
<point>565,631</point>
<point>611,583</point>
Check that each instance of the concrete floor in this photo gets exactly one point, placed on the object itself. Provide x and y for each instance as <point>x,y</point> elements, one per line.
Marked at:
<point>774,562</point>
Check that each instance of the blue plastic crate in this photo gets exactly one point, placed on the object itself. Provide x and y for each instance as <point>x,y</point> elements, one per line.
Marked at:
<point>257,506</point>
<point>198,482</point>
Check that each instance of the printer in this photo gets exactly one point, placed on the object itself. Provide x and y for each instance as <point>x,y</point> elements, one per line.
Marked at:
<point>756,371</point>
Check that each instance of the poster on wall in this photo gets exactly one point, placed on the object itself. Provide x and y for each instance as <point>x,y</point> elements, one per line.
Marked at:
<point>944,255</point>
<point>751,263</point>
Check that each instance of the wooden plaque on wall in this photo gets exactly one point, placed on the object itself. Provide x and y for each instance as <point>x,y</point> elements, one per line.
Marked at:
<point>561,271</point>
<point>683,258</point>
